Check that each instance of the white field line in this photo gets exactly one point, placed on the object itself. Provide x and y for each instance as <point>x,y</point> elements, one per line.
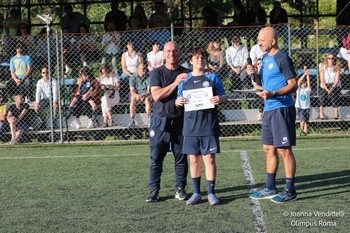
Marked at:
<point>147,153</point>
<point>258,219</point>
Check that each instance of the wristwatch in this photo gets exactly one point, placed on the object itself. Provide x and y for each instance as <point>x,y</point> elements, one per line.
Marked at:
<point>274,94</point>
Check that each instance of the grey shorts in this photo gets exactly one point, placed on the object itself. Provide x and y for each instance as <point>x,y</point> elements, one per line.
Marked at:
<point>304,114</point>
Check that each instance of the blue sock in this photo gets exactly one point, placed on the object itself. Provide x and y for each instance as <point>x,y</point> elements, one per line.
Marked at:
<point>290,183</point>
<point>270,180</point>
<point>211,186</point>
<point>196,184</point>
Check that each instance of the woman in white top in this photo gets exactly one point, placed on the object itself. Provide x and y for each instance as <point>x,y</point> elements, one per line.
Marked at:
<point>330,84</point>
<point>155,58</point>
<point>109,83</point>
<point>130,60</point>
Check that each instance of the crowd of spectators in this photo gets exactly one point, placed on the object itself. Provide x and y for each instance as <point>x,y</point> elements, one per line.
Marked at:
<point>123,76</point>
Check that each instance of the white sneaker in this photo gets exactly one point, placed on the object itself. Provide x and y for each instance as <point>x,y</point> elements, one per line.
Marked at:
<point>90,125</point>
<point>13,141</point>
<point>77,124</point>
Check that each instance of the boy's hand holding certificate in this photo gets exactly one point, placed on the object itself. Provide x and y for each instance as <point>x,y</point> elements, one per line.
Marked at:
<point>198,99</point>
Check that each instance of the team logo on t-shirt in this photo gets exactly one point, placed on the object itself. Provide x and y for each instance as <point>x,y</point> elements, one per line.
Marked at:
<point>270,66</point>
<point>205,84</point>
<point>152,133</point>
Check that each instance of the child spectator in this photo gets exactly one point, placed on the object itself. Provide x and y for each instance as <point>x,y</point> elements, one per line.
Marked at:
<point>201,127</point>
<point>17,118</point>
<point>302,102</point>
<point>86,93</point>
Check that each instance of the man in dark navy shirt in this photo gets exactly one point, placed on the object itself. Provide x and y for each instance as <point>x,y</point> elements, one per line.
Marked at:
<point>167,122</point>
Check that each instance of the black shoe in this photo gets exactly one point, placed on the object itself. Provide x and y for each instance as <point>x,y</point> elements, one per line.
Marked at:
<point>153,196</point>
<point>180,194</point>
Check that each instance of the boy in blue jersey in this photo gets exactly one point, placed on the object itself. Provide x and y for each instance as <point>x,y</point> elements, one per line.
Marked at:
<point>278,134</point>
<point>201,127</point>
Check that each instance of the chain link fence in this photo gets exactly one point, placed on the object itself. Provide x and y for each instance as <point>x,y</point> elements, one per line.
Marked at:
<point>69,116</point>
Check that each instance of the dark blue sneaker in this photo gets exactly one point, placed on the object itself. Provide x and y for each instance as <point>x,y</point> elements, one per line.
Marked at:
<point>195,199</point>
<point>153,196</point>
<point>265,193</point>
<point>285,195</point>
<point>180,194</point>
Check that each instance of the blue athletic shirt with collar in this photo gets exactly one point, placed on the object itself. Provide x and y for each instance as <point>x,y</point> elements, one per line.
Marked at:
<point>275,71</point>
<point>162,77</point>
<point>202,122</point>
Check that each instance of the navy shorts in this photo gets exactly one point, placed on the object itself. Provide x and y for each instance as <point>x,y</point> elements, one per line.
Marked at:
<point>201,145</point>
<point>278,127</point>
<point>304,114</point>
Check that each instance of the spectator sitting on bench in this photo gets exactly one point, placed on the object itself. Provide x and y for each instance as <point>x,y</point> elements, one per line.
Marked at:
<point>109,83</point>
<point>84,95</point>
<point>140,92</point>
<point>236,58</point>
<point>42,97</point>
<point>330,84</point>
<point>3,113</point>
<point>155,58</point>
<point>17,117</point>
<point>129,61</point>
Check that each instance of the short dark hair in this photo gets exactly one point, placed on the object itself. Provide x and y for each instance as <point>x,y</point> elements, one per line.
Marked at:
<point>17,91</point>
<point>106,67</point>
<point>86,70</point>
<point>198,51</point>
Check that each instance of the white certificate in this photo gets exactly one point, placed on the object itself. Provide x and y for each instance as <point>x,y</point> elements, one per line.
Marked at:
<point>198,99</point>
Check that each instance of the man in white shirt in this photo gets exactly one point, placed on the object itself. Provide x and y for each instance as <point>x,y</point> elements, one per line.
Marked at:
<point>111,41</point>
<point>42,97</point>
<point>236,58</point>
<point>256,54</point>
<point>155,58</point>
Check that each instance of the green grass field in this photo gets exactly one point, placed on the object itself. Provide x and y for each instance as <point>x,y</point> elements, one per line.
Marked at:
<point>102,188</point>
